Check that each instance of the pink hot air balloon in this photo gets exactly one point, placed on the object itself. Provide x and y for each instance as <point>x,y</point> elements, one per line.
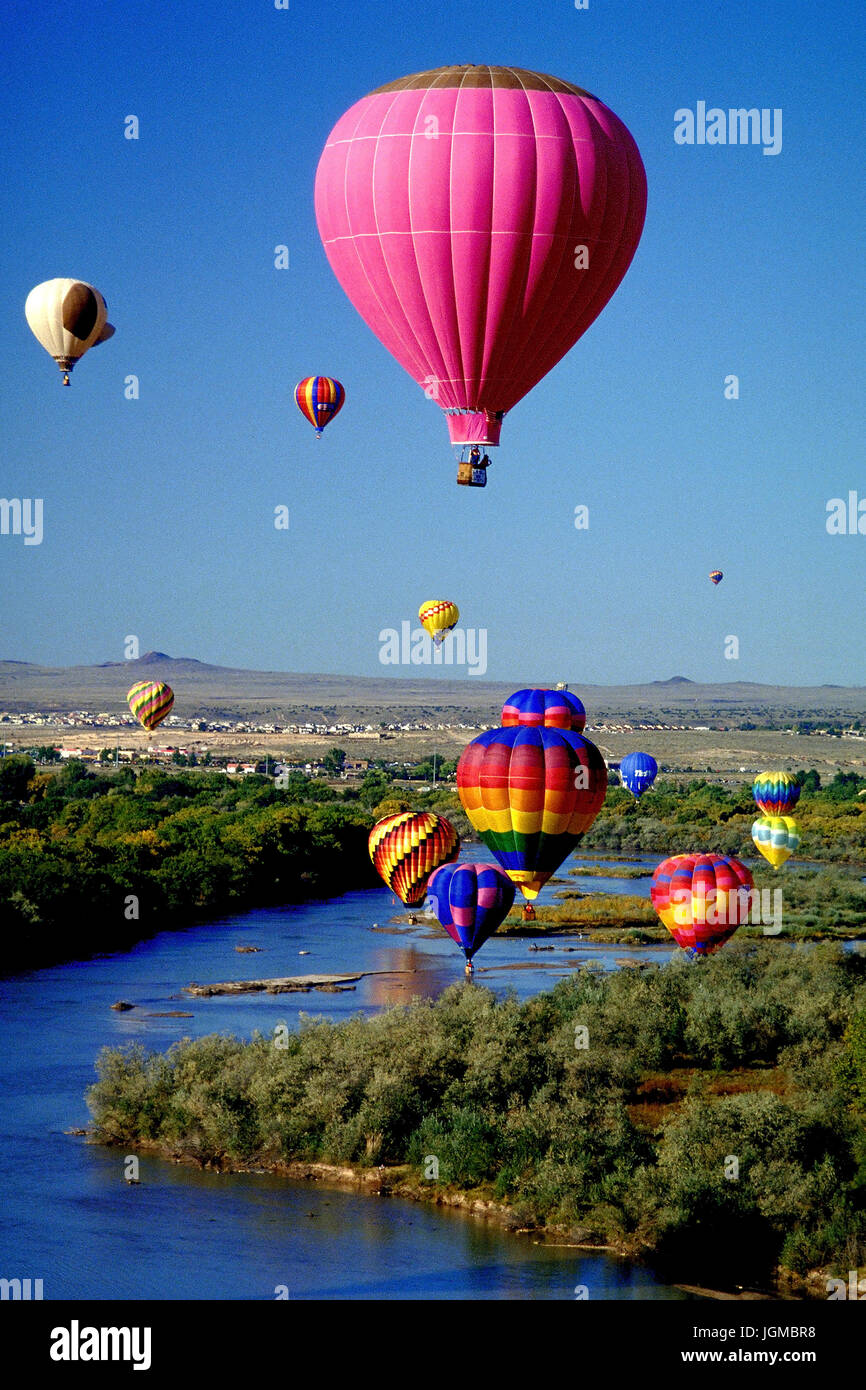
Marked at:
<point>479,219</point>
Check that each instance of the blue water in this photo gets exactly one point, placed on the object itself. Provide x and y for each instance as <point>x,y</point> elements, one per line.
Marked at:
<point>68,1217</point>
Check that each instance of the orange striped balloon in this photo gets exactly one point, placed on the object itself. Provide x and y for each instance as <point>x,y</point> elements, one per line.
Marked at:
<point>405,849</point>
<point>150,702</point>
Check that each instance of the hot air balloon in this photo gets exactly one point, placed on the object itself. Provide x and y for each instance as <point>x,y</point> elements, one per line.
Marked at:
<point>438,616</point>
<point>776,793</point>
<point>702,899</point>
<point>479,219</point>
<point>548,709</point>
<point>777,838</point>
<point>150,702</point>
<point>68,317</point>
<point>638,772</point>
<point>716,576</point>
<point>406,848</point>
<point>319,399</point>
<point>470,901</point>
<point>531,793</point>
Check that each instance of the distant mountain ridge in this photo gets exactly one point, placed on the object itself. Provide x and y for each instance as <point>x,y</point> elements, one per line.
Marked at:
<point>232,692</point>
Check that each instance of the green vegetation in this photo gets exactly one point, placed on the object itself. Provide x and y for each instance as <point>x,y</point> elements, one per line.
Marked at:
<point>608,871</point>
<point>675,818</point>
<point>92,862</point>
<point>77,846</point>
<point>757,1054</point>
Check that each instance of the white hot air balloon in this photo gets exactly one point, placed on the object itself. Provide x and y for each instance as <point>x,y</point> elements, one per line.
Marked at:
<point>67,317</point>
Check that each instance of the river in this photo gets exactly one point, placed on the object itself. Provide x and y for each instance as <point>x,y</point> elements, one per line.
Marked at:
<point>70,1219</point>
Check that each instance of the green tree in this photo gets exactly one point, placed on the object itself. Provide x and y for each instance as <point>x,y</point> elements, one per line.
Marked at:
<point>16,774</point>
<point>334,760</point>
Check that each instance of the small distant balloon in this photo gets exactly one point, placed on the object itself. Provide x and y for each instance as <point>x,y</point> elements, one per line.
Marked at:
<point>68,317</point>
<point>150,702</point>
<point>470,901</point>
<point>776,793</point>
<point>716,576</point>
<point>319,399</point>
<point>777,838</point>
<point>438,616</point>
<point>638,772</point>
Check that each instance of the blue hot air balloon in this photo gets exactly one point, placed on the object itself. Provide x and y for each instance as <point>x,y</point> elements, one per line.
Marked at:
<point>470,901</point>
<point>638,772</point>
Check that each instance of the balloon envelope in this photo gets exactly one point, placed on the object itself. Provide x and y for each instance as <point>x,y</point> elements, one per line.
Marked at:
<point>531,793</point>
<point>438,616</point>
<point>406,848</point>
<point>470,901</point>
<point>67,317</point>
<point>319,399</point>
<point>702,899</point>
<point>777,838</point>
<point>638,772</point>
<point>150,702</point>
<point>716,576</point>
<point>479,219</point>
<point>776,793</point>
<point>548,709</point>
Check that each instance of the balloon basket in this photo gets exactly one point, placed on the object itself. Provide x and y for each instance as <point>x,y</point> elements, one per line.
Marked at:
<point>472,475</point>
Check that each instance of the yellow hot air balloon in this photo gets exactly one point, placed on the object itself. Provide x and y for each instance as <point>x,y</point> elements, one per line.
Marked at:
<point>438,616</point>
<point>150,702</point>
<point>777,838</point>
<point>68,317</point>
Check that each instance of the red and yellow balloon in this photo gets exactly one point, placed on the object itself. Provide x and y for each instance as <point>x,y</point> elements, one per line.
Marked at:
<point>438,616</point>
<point>702,899</point>
<point>319,399</point>
<point>406,848</point>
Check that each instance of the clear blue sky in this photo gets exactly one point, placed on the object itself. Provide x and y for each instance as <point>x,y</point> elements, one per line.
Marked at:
<point>158,513</point>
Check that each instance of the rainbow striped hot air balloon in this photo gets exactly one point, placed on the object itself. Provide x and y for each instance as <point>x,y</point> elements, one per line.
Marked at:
<point>150,702</point>
<point>319,399</point>
<point>547,709</point>
<point>777,838</point>
<point>702,899</point>
<point>406,848</point>
<point>470,901</point>
<point>438,616</point>
<point>531,793</point>
<point>716,576</point>
<point>776,793</point>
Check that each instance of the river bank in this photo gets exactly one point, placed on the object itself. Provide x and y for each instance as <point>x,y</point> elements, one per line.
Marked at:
<point>605,1111</point>
<point>186,1232</point>
<point>399,1181</point>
